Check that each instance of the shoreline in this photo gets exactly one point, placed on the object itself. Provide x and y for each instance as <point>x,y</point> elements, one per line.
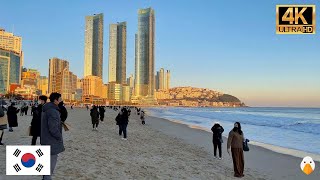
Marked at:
<point>271,147</point>
<point>259,160</point>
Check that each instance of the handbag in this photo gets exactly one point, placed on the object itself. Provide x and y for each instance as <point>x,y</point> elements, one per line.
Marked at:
<point>245,145</point>
<point>3,122</point>
<point>66,126</point>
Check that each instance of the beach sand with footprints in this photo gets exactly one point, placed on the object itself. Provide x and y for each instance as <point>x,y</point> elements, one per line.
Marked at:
<point>158,150</point>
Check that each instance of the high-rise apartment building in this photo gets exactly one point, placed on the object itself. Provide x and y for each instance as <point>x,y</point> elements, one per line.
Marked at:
<point>117,52</point>
<point>43,85</point>
<point>10,69</point>
<point>56,65</point>
<point>93,51</point>
<point>168,81</point>
<point>10,42</point>
<point>66,84</point>
<point>144,65</point>
<point>130,81</point>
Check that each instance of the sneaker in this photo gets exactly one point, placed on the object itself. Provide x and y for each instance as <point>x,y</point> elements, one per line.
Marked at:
<point>220,158</point>
<point>215,157</point>
<point>93,129</point>
<point>124,139</point>
<point>1,144</point>
<point>96,129</point>
<point>10,130</point>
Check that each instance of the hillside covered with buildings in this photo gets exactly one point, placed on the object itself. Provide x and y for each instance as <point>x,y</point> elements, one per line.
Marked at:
<point>196,97</point>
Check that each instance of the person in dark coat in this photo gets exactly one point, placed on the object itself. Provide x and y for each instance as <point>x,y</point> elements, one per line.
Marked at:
<point>12,116</point>
<point>2,127</point>
<point>142,118</point>
<point>22,110</point>
<point>123,120</point>
<point>51,130</point>
<point>26,110</point>
<point>94,117</point>
<point>36,120</point>
<point>217,131</point>
<point>33,108</point>
<point>101,112</point>
<point>63,112</point>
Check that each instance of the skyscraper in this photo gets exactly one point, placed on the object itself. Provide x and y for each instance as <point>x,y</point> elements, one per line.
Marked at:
<point>93,51</point>
<point>66,84</point>
<point>10,69</point>
<point>144,65</point>
<point>117,52</point>
<point>56,65</point>
<point>168,76</point>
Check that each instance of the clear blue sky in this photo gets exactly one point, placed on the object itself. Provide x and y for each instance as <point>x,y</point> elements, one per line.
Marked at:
<point>229,46</point>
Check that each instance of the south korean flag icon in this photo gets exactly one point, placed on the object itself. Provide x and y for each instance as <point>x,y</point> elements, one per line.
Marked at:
<point>28,160</point>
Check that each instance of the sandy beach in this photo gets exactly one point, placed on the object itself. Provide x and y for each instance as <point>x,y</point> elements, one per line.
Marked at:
<point>159,150</point>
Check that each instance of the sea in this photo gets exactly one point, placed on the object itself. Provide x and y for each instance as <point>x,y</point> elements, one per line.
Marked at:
<point>292,128</point>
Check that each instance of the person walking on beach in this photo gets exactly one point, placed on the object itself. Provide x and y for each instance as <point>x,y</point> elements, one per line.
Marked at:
<point>217,131</point>
<point>142,118</point>
<point>101,112</point>
<point>12,116</point>
<point>22,110</point>
<point>235,142</point>
<point>94,117</point>
<point>26,110</point>
<point>36,120</point>
<point>51,130</point>
<point>123,123</point>
<point>3,126</point>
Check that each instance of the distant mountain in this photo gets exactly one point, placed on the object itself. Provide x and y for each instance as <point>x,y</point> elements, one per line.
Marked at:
<point>192,96</point>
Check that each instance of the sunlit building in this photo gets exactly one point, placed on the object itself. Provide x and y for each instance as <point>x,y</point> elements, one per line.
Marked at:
<point>93,51</point>
<point>117,52</point>
<point>56,65</point>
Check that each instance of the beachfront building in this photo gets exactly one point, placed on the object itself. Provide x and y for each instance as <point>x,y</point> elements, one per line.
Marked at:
<point>126,94</point>
<point>130,81</point>
<point>10,69</point>
<point>93,90</point>
<point>55,65</point>
<point>66,84</point>
<point>93,51</point>
<point>167,80</point>
<point>117,52</point>
<point>10,42</point>
<point>144,57</point>
<point>114,92</point>
<point>43,85</point>
<point>31,78</point>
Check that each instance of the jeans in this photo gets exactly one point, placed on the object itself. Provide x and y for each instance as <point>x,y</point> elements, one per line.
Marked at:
<point>217,145</point>
<point>53,164</point>
<point>123,128</point>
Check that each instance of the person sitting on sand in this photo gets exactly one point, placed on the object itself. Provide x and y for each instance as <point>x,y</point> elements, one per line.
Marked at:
<point>235,141</point>
<point>94,117</point>
<point>217,131</point>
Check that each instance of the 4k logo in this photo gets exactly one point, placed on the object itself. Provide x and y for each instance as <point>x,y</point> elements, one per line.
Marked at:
<point>296,19</point>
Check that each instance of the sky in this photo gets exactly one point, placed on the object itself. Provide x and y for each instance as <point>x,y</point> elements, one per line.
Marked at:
<point>228,46</point>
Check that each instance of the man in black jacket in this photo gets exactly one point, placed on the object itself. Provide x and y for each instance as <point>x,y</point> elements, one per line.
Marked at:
<point>51,129</point>
<point>36,120</point>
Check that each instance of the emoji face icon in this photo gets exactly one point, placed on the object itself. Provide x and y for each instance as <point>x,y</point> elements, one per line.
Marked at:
<point>307,165</point>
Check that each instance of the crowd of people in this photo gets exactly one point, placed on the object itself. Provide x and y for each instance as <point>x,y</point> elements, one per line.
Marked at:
<point>48,118</point>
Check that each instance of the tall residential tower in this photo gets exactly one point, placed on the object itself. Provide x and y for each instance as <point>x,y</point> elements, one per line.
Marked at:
<point>117,52</point>
<point>93,51</point>
<point>144,65</point>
